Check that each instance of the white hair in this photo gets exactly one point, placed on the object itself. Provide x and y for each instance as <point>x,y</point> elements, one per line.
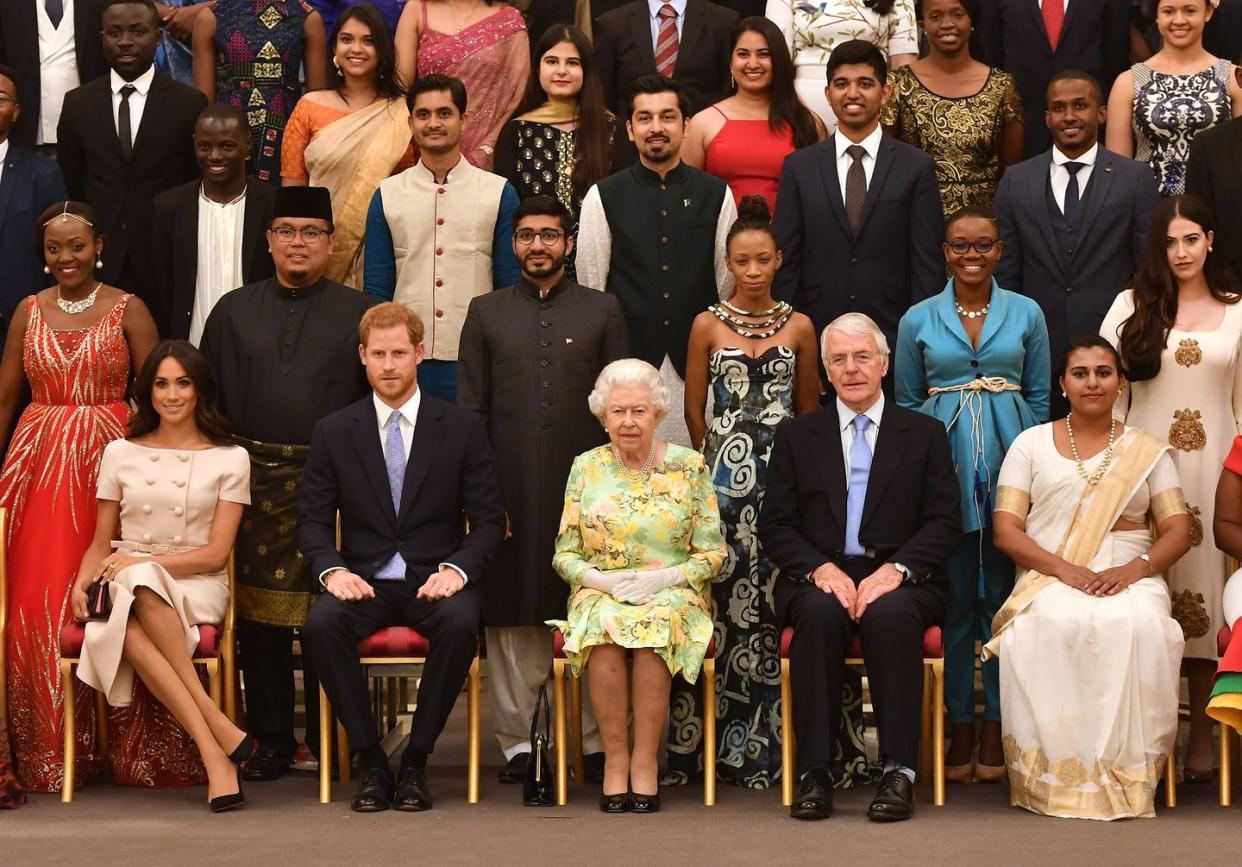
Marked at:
<point>853,325</point>
<point>632,373</point>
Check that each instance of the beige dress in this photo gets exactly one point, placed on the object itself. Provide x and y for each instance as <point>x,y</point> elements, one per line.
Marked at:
<point>168,500</point>
<point>1195,405</point>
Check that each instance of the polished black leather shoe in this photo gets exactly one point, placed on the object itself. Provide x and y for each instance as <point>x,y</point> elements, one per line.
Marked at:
<point>267,765</point>
<point>894,802</point>
<point>593,768</point>
<point>515,770</point>
<point>644,803</point>
<point>413,793</point>
<point>375,793</point>
<point>615,803</point>
<point>814,797</point>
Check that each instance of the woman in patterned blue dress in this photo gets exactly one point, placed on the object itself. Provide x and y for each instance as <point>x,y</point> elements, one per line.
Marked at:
<point>759,359</point>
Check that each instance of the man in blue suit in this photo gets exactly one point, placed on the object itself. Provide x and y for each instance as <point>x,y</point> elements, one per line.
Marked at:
<point>28,185</point>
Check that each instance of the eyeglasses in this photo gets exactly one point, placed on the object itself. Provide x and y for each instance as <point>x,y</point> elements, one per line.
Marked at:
<point>310,234</point>
<point>960,246</point>
<point>5,99</point>
<point>526,237</point>
<point>860,359</point>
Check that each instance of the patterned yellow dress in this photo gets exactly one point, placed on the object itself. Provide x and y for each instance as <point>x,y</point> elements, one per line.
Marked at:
<point>613,523</point>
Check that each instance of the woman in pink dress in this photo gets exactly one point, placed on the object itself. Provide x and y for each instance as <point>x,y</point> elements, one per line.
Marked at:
<point>481,42</point>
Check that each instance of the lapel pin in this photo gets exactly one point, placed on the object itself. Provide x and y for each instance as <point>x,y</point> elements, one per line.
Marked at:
<point>569,340</point>
<point>685,203</point>
<point>1108,169</point>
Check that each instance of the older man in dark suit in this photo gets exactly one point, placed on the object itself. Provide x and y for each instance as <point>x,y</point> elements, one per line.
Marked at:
<point>1214,174</point>
<point>860,516</point>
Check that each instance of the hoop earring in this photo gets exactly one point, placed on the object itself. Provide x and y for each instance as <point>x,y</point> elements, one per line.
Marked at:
<point>336,65</point>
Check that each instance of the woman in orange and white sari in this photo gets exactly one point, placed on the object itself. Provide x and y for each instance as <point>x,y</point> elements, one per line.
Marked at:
<point>1089,654</point>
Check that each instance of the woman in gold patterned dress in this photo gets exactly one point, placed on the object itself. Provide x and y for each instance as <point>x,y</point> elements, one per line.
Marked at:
<point>639,545</point>
<point>967,115</point>
<point>1177,329</point>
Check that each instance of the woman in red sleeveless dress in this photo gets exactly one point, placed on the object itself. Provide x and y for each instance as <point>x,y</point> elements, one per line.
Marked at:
<point>75,345</point>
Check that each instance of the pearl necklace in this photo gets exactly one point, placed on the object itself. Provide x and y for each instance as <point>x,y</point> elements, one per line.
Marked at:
<point>75,307</point>
<point>1093,478</point>
<point>972,314</point>
<point>635,475</point>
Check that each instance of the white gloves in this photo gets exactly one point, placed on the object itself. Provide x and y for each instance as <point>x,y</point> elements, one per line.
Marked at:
<point>597,580</point>
<point>639,588</point>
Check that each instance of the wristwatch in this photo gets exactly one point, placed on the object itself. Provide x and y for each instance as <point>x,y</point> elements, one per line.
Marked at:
<point>1146,558</point>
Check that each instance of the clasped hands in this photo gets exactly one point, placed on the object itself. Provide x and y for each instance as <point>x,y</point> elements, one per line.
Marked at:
<point>108,569</point>
<point>350,587</point>
<point>637,587</point>
<point>855,600</point>
<point>1106,583</point>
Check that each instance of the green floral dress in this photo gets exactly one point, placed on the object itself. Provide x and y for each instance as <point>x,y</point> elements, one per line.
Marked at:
<point>613,523</point>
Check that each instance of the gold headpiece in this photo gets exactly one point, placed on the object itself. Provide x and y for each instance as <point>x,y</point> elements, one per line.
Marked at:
<point>64,216</point>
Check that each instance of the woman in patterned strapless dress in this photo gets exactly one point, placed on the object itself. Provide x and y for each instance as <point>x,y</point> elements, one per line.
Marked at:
<point>759,359</point>
<point>74,344</point>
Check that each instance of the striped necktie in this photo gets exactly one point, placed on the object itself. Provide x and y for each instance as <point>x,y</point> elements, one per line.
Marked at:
<point>667,41</point>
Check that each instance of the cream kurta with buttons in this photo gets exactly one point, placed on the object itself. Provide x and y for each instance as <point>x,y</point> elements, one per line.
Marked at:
<point>442,236</point>
<point>168,498</point>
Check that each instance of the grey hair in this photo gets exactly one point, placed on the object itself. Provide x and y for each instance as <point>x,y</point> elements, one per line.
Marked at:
<point>632,372</point>
<point>853,325</point>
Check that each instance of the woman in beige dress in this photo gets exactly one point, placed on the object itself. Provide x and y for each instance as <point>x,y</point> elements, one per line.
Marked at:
<point>177,490</point>
<point>1177,329</point>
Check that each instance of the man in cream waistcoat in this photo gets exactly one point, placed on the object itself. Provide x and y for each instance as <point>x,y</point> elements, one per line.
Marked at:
<point>438,233</point>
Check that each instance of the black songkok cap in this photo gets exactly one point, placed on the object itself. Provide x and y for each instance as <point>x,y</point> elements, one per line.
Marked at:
<point>310,203</point>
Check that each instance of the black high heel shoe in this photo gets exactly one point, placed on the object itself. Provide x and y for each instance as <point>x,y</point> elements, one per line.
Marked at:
<point>229,802</point>
<point>615,804</point>
<point>241,754</point>
<point>644,803</point>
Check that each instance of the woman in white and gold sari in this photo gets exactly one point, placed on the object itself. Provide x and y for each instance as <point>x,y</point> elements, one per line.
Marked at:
<point>1089,654</point>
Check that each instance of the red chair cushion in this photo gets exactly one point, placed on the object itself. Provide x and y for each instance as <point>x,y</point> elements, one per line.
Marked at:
<point>933,644</point>
<point>558,646</point>
<point>1222,640</point>
<point>395,641</point>
<point>72,636</point>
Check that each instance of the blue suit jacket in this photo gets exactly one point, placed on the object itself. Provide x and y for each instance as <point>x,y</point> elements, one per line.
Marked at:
<point>29,185</point>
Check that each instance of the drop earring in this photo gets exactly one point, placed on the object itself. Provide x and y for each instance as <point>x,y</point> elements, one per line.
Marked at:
<point>47,270</point>
<point>98,261</point>
<point>336,64</point>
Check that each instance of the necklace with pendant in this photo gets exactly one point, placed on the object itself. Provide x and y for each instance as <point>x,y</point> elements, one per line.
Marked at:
<point>75,307</point>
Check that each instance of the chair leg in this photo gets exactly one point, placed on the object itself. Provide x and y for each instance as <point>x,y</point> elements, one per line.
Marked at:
<point>938,733</point>
<point>472,736</point>
<point>101,723</point>
<point>344,760</point>
<point>788,771</point>
<point>559,733</point>
<point>709,732</point>
<point>926,771</point>
<point>71,739</point>
<point>228,672</point>
<point>213,683</point>
<point>575,719</point>
<point>1226,788</point>
<point>1170,779</point>
<point>325,748</point>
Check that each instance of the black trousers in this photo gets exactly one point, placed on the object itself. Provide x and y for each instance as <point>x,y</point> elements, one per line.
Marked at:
<point>891,630</point>
<point>334,628</point>
<point>267,664</point>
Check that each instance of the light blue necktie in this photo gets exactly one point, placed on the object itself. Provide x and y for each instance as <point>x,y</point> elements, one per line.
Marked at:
<point>394,460</point>
<point>860,471</point>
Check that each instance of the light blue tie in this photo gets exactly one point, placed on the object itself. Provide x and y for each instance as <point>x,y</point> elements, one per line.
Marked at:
<point>860,471</point>
<point>394,460</point>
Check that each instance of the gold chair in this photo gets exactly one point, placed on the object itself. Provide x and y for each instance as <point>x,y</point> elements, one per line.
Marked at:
<point>395,646</point>
<point>1226,731</point>
<point>215,652</point>
<point>560,669</point>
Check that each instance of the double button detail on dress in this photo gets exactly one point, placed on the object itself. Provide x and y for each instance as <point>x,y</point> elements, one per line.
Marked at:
<point>162,500</point>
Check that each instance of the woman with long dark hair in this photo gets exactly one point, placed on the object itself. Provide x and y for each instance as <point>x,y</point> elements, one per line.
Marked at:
<point>1177,329</point>
<point>351,136</point>
<point>964,113</point>
<point>744,138</point>
<point>559,142</point>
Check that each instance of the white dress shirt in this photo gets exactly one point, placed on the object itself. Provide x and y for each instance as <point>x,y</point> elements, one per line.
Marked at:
<point>137,100</point>
<point>1060,176</point>
<point>219,268</point>
<point>871,144</point>
<point>875,412</point>
<point>653,6</point>
<point>4,153</point>
<point>58,67</point>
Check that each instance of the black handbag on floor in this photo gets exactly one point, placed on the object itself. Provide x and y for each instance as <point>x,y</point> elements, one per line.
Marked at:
<point>539,788</point>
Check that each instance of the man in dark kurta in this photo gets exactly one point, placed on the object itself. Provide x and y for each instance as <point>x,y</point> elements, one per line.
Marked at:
<point>285,354</point>
<point>529,357</point>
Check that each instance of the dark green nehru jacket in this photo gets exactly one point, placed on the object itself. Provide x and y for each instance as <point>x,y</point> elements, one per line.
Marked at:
<point>662,267</point>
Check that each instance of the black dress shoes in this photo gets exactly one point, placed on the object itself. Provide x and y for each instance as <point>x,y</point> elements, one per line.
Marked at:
<point>814,797</point>
<point>644,803</point>
<point>224,803</point>
<point>267,765</point>
<point>515,770</point>
<point>243,750</point>
<point>593,768</point>
<point>375,793</point>
<point>894,801</point>
<point>413,793</point>
<point>615,803</point>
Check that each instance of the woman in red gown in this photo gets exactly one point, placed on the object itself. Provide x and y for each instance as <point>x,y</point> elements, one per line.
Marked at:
<point>75,345</point>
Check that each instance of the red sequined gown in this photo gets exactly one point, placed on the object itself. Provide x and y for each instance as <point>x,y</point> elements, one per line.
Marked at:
<point>77,381</point>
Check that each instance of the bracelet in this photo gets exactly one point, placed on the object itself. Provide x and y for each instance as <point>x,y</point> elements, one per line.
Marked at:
<point>1151,567</point>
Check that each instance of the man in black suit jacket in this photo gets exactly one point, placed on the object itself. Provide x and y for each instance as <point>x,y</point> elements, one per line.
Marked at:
<point>406,472</point>
<point>28,186</point>
<point>1214,174</point>
<point>1073,266</point>
<point>1094,37</point>
<point>19,49</point>
<point>121,178</point>
<point>860,516</point>
<point>625,50</point>
<point>892,257</point>
<point>222,144</point>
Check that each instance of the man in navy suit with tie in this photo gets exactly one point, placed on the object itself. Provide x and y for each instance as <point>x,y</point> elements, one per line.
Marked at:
<point>28,185</point>
<point>407,473</point>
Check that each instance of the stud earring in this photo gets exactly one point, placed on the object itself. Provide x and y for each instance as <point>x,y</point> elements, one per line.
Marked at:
<point>1063,394</point>
<point>47,270</point>
<point>1209,248</point>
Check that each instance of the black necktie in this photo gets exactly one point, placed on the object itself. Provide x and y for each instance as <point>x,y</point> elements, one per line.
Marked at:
<point>855,187</point>
<point>55,10</point>
<point>1071,191</point>
<point>123,129</point>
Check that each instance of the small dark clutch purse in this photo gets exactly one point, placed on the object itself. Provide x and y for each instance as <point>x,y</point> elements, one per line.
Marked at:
<point>98,601</point>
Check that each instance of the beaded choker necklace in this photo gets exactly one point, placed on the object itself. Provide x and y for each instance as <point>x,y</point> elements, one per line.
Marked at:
<point>774,319</point>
